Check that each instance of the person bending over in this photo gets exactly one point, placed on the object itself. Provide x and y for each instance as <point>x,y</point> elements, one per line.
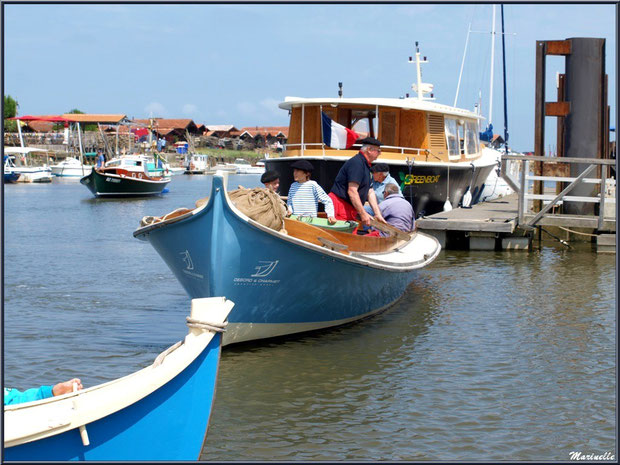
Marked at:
<point>396,210</point>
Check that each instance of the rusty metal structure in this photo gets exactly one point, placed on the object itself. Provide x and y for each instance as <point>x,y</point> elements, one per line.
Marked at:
<point>581,109</point>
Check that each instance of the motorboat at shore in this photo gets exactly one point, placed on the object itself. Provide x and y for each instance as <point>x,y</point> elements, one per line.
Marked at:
<point>432,150</point>
<point>71,167</point>
<point>17,162</point>
<point>245,167</point>
<point>196,163</point>
<point>161,412</point>
<point>126,176</point>
<point>282,281</point>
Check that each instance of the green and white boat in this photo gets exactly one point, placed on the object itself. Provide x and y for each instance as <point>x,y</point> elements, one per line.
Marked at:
<point>127,176</point>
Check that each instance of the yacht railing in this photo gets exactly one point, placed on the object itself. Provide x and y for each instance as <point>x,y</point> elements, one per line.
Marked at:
<point>402,150</point>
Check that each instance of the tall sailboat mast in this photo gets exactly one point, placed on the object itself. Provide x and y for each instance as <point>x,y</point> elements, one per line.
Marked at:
<point>504,73</point>
<point>492,63</point>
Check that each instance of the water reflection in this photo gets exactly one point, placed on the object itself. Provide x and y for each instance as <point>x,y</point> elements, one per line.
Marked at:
<point>492,356</point>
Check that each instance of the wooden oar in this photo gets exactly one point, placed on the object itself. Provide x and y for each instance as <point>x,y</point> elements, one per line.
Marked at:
<point>388,228</point>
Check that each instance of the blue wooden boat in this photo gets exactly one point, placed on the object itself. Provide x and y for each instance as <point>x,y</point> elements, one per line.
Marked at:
<point>282,283</point>
<point>158,413</point>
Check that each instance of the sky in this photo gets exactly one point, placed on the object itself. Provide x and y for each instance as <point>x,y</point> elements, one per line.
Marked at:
<point>233,63</point>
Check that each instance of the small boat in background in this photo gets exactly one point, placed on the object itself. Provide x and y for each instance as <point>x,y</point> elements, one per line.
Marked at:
<point>127,176</point>
<point>10,176</point>
<point>71,168</point>
<point>18,162</point>
<point>175,170</point>
<point>244,167</point>
<point>229,168</point>
<point>196,163</point>
<point>300,278</point>
<point>161,412</point>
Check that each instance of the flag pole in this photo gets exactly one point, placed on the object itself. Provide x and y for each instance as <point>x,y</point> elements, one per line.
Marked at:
<point>302,129</point>
<point>321,123</point>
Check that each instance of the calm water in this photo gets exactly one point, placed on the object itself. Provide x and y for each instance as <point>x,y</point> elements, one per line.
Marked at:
<point>489,356</point>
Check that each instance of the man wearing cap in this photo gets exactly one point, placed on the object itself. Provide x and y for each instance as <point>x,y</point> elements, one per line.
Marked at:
<point>381,178</point>
<point>352,186</point>
<point>271,180</point>
<point>304,195</point>
<point>396,210</point>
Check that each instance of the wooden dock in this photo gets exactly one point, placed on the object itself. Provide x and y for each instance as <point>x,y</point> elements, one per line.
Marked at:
<point>494,225</point>
<point>488,225</point>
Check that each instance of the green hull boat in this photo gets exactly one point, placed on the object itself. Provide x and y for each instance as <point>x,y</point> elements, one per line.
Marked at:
<point>120,185</point>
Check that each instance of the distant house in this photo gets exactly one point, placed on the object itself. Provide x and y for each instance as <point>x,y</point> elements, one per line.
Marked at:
<point>170,129</point>
<point>497,141</point>
<point>221,130</point>
<point>265,135</point>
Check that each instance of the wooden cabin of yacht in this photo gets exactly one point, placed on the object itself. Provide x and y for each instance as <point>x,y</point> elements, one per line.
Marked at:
<point>409,128</point>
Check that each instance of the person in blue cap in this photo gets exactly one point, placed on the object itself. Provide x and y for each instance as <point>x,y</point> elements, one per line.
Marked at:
<point>381,178</point>
<point>304,195</point>
<point>14,396</point>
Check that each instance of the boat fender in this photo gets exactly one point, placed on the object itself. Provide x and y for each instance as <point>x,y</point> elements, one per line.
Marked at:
<point>466,202</point>
<point>447,206</point>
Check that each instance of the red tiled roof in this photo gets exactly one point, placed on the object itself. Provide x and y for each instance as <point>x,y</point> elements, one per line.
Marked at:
<point>162,123</point>
<point>265,130</point>
<point>220,127</point>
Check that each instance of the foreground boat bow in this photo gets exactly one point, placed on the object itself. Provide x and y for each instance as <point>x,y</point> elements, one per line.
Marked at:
<point>158,413</point>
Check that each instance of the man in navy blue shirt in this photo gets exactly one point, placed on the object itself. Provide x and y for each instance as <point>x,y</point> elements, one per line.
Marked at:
<point>353,185</point>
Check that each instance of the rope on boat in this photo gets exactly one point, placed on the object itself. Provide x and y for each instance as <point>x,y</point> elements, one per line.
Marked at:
<point>208,325</point>
<point>192,323</point>
<point>149,220</point>
<point>160,358</point>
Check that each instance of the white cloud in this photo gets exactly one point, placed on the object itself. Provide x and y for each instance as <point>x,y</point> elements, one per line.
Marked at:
<point>247,108</point>
<point>190,109</point>
<point>155,109</point>
<point>271,105</point>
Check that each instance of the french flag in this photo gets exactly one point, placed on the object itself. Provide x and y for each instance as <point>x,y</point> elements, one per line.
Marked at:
<point>336,135</point>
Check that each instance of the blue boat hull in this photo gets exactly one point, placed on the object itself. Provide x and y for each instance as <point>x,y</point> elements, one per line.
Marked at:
<point>279,286</point>
<point>168,424</point>
<point>11,177</point>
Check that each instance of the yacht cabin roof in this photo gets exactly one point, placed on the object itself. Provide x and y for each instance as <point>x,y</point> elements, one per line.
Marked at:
<point>404,103</point>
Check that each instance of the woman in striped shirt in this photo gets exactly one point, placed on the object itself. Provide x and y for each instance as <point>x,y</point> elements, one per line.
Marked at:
<point>304,195</point>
